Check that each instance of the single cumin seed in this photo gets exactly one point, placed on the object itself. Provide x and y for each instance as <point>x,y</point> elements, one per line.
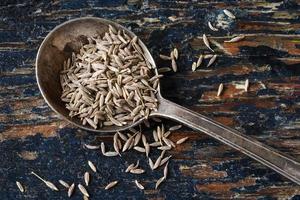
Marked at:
<point>111,184</point>
<point>139,185</point>
<point>83,190</point>
<point>182,140</point>
<point>220,89</point>
<point>20,186</point>
<point>92,166</point>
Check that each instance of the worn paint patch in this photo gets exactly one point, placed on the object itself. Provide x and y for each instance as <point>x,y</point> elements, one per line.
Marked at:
<point>28,155</point>
<point>17,132</point>
<point>201,171</point>
<point>220,187</point>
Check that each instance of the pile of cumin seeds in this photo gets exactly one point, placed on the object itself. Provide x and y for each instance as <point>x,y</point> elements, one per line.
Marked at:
<point>109,81</point>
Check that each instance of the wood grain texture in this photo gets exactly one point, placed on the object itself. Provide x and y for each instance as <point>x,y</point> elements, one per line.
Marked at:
<point>33,138</point>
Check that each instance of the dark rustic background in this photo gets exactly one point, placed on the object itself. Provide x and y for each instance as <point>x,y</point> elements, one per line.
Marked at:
<point>33,138</point>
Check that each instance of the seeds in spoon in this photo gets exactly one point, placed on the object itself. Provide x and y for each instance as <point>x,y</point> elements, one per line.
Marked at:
<point>71,190</point>
<point>229,14</point>
<point>107,79</point>
<point>220,89</point>
<point>92,166</point>
<point>139,185</point>
<point>63,183</point>
<point>211,27</point>
<point>182,140</point>
<point>21,188</point>
<point>48,183</point>
<point>236,39</point>
<point>212,60</point>
<point>83,190</point>
<point>111,184</point>
<point>206,42</point>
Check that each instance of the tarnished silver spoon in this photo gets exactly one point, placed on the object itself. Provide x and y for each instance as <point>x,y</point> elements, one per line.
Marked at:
<point>67,37</point>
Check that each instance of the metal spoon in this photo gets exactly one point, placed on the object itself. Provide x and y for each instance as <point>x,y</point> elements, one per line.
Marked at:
<point>67,37</point>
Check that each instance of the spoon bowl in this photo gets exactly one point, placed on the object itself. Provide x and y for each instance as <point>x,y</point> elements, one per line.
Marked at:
<point>57,47</point>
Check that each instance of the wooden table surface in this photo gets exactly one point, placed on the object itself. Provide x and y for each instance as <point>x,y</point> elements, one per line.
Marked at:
<point>34,138</point>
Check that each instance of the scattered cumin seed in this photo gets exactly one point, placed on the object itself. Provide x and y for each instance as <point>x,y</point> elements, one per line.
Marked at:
<point>164,148</point>
<point>212,60</point>
<point>229,14</point>
<point>20,186</point>
<point>164,57</point>
<point>127,144</point>
<point>139,185</point>
<point>208,56</point>
<point>147,149</point>
<point>159,182</point>
<point>157,162</point>
<point>211,27</point>
<point>130,167</point>
<point>175,52</point>
<point>151,164</point>
<point>86,178</point>
<point>163,161</point>
<point>235,39</point>
<point>166,170</point>
<point>48,183</point>
<point>174,128</point>
<point>174,65</point>
<point>111,153</point>
<point>83,190</point>
<point>164,69</point>
<point>92,147</point>
<point>71,190</point>
<point>140,149</point>
<point>63,183</point>
<point>206,42</point>
<point>220,89</point>
<point>102,148</point>
<point>111,184</point>
<point>246,85</point>
<point>194,66</point>
<point>92,166</point>
<point>199,61</point>
<point>137,171</point>
<point>182,140</point>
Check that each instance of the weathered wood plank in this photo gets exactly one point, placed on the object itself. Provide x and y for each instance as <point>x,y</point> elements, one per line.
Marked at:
<point>33,138</point>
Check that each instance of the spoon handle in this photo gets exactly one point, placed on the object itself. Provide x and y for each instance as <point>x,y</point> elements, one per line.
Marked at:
<point>268,156</point>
